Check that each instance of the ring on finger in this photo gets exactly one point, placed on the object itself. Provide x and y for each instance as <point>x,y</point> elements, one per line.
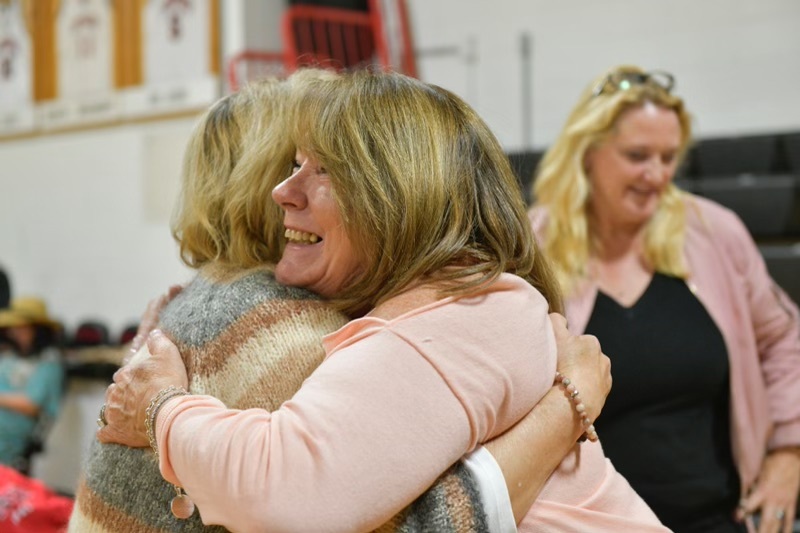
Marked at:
<point>101,420</point>
<point>780,514</point>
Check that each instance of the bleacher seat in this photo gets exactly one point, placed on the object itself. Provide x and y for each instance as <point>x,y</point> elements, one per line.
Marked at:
<point>791,148</point>
<point>768,204</point>
<point>524,165</point>
<point>128,334</point>
<point>735,155</point>
<point>91,353</point>
<point>783,262</point>
<point>685,184</point>
<point>90,333</point>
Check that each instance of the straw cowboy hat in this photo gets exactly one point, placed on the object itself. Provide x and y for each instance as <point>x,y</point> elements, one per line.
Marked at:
<point>27,311</point>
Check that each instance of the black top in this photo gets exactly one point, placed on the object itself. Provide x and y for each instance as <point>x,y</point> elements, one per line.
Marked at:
<point>665,425</point>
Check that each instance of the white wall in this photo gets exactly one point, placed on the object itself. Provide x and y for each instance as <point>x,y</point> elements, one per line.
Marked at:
<point>84,216</point>
<point>84,219</point>
<point>737,62</point>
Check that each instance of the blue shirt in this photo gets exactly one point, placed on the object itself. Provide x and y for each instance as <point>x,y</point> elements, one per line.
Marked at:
<point>40,379</point>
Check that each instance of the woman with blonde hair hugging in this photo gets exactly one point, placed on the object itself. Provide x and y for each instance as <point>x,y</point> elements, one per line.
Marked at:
<point>705,408</point>
<point>251,342</point>
<point>402,211</point>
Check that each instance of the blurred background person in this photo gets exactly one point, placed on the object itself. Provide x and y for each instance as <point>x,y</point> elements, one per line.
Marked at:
<point>31,375</point>
<point>705,347</point>
<point>5,289</point>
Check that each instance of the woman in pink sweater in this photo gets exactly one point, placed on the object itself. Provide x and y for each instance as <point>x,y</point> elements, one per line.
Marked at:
<point>704,416</point>
<point>401,209</point>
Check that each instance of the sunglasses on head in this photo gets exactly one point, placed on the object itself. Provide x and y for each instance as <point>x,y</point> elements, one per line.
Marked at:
<point>622,81</point>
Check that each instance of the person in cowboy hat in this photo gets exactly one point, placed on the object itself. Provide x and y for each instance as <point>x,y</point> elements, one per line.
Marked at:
<point>31,376</point>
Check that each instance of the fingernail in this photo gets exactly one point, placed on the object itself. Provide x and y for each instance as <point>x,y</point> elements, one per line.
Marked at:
<point>155,333</point>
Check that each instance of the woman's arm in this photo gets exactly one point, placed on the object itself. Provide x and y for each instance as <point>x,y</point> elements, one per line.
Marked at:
<point>308,466</point>
<point>41,389</point>
<point>453,504</point>
<point>252,424</point>
<point>509,472</point>
<point>530,451</point>
<point>492,488</point>
<point>776,327</point>
<point>369,430</point>
<point>19,403</point>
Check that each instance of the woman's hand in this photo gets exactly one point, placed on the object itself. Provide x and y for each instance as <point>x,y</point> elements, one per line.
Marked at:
<point>775,493</point>
<point>149,319</point>
<point>547,429</point>
<point>581,359</point>
<point>133,388</point>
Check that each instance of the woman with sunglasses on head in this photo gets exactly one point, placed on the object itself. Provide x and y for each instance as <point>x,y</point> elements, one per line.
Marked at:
<point>704,416</point>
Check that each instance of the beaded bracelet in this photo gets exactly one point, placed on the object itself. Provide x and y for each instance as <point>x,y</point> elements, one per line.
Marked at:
<point>574,395</point>
<point>152,411</point>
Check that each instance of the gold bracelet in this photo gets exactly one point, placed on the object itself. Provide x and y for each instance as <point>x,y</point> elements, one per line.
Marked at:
<point>152,411</point>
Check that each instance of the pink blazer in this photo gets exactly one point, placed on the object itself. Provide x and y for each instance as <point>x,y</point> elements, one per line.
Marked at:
<point>760,325</point>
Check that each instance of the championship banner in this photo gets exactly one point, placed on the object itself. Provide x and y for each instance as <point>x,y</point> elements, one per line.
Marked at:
<point>16,69</point>
<point>83,31</point>
<point>179,57</point>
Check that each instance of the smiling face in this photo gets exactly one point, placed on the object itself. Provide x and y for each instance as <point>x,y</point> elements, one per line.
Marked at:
<point>319,255</point>
<point>631,169</point>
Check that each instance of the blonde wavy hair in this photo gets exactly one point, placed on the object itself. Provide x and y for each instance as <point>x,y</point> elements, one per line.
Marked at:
<point>238,152</point>
<point>562,184</point>
<point>424,188</point>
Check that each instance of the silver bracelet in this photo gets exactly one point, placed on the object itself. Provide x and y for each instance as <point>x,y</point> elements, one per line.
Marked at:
<point>152,411</point>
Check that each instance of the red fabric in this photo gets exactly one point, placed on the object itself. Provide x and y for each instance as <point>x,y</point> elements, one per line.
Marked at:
<point>28,506</point>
